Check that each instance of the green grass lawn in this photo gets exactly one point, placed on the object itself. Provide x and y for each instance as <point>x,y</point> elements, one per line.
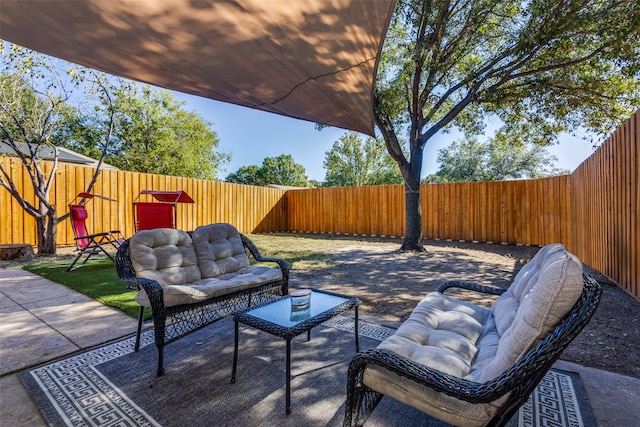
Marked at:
<point>96,279</point>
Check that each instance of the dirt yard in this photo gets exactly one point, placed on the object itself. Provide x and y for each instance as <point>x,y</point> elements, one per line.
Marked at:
<point>390,283</point>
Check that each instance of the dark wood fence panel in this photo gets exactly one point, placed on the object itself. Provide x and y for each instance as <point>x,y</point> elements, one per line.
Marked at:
<point>525,212</point>
<point>373,211</point>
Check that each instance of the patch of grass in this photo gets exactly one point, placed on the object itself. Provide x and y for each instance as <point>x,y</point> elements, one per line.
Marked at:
<point>96,279</point>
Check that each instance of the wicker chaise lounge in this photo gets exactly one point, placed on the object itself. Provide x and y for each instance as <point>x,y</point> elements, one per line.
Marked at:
<point>471,366</point>
<point>190,282</point>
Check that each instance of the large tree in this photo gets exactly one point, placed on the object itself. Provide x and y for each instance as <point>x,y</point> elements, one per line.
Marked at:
<point>153,133</point>
<point>541,66</point>
<point>352,162</point>
<point>34,97</point>
<point>280,170</point>
<point>495,160</point>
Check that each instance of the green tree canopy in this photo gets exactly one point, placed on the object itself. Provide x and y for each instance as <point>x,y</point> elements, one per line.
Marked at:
<point>153,133</point>
<point>353,162</point>
<point>245,175</point>
<point>471,160</point>
<point>280,170</point>
<point>541,67</point>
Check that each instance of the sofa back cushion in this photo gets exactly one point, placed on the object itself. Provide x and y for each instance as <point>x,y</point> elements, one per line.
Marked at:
<point>165,255</point>
<point>542,293</point>
<point>219,250</point>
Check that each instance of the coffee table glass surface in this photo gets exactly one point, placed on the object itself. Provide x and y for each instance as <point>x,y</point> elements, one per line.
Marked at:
<point>283,315</point>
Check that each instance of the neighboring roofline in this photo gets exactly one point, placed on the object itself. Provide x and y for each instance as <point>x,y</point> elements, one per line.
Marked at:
<point>89,160</point>
<point>66,156</point>
<point>286,187</point>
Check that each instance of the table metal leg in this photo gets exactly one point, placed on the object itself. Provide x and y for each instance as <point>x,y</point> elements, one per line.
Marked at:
<point>288,387</point>
<point>235,352</point>
<point>357,334</point>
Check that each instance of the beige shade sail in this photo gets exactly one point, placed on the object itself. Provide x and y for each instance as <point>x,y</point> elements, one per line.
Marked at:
<point>310,59</point>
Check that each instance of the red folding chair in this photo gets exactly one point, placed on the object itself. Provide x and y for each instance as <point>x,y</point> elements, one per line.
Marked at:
<point>159,214</point>
<point>88,244</point>
<point>150,215</point>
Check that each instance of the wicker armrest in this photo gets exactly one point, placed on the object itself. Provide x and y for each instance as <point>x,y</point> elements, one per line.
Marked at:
<point>471,285</point>
<point>150,286</point>
<point>437,380</point>
<point>255,253</point>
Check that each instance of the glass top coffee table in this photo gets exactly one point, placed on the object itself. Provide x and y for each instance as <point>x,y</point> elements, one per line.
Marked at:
<point>282,319</point>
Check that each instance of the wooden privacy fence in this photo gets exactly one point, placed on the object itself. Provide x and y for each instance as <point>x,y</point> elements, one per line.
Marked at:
<point>595,211</point>
<point>250,209</point>
<point>605,207</point>
<point>526,212</point>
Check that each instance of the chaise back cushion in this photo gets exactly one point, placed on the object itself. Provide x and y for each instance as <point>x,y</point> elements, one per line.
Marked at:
<point>542,293</point>
<point>165,255</point>
<point>219,250</point>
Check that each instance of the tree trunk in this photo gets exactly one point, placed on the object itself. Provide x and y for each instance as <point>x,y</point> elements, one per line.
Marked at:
<point>413,235</point>
<point>47,229</point>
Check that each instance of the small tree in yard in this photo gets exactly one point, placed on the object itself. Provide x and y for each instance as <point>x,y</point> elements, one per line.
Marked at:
<point>541,66</point>
<point>33,106</point>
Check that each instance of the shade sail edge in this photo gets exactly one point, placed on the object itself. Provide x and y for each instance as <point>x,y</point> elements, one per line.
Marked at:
<point>309,60</point>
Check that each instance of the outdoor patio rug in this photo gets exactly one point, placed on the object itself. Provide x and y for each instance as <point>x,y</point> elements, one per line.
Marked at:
<point>113,386</point>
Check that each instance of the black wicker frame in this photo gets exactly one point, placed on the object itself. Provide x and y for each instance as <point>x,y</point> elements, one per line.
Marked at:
<point>172,323</point>
<point>519,380</point>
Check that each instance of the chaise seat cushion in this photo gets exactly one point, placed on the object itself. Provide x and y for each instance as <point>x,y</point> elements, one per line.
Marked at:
<point>442,332</point>
<point>478,344</point>
<point>453,336</point>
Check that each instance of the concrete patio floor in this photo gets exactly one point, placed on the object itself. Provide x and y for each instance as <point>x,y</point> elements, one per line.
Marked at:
<point>41,321</point>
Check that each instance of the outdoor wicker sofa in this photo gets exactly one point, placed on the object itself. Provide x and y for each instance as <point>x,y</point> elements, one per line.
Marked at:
<point>472,366</point>
<point>192,281</point>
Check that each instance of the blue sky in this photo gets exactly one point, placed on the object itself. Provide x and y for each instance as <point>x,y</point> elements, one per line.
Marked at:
<point>251,135</point>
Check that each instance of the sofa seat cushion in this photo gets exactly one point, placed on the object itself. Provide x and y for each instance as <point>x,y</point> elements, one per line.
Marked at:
<point>442,332</point>
<point>219,250</point>
<point>204,289</point>
<point>451,336</point>
<point>165,255</point>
